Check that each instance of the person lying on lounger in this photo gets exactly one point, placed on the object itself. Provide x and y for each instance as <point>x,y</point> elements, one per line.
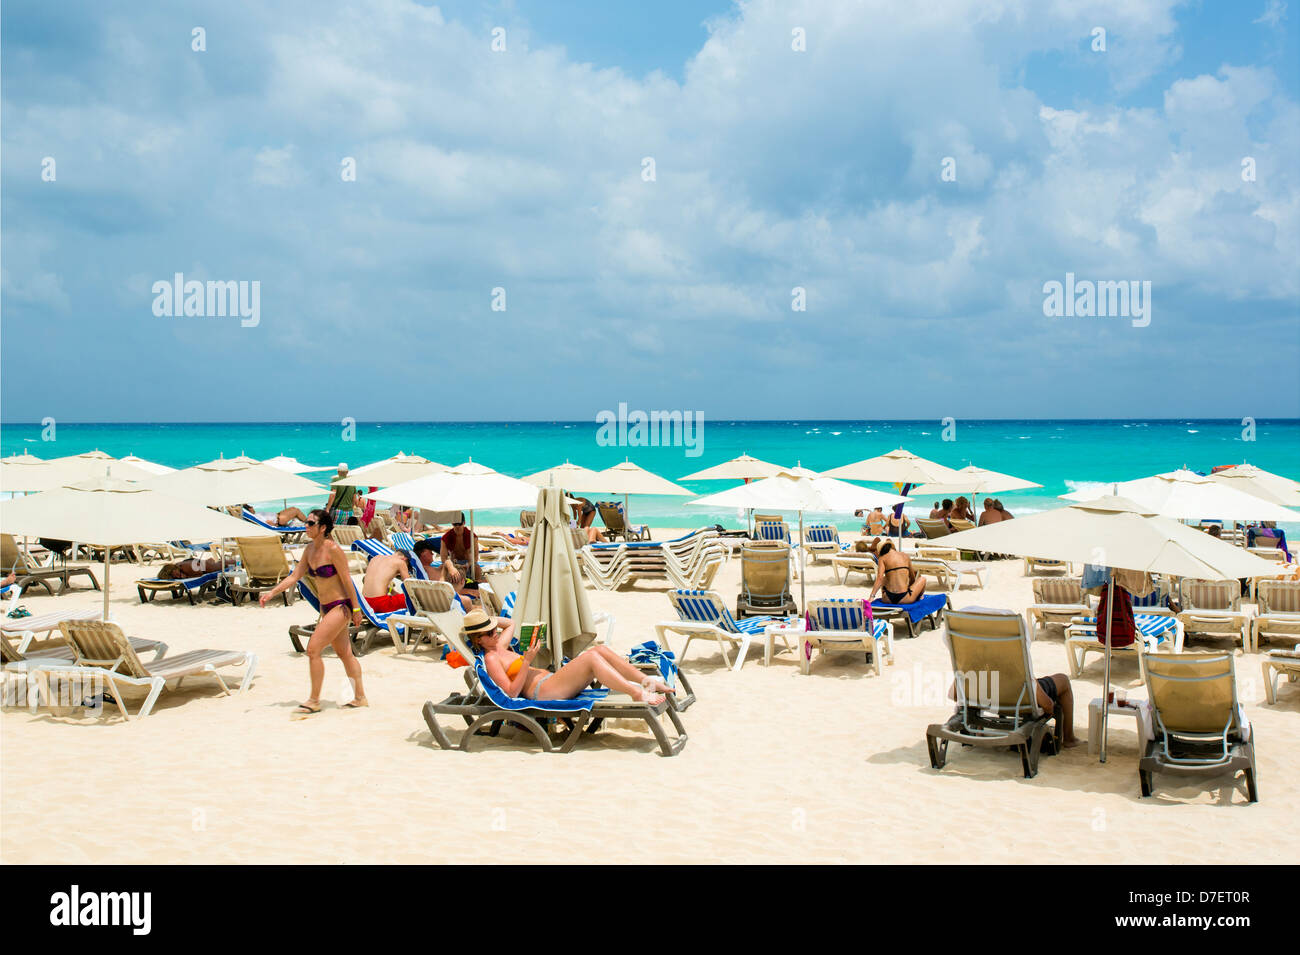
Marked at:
<point>515,674</point>
<point>281,518</point>
<point>895,576</point>
<point>381,572</point>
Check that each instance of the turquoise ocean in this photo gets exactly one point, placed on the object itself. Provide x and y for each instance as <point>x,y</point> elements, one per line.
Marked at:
<point>1061,455</point>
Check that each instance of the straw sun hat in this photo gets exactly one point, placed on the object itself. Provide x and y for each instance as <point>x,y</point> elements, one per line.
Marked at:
<point>478,623</point>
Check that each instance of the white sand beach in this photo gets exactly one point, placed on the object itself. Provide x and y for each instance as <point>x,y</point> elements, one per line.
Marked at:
<point>779,767</point>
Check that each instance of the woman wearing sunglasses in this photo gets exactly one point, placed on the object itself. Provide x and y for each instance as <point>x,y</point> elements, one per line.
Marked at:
<point>327,565</point>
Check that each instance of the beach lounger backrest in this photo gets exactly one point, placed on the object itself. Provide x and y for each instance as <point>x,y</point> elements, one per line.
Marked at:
<point>1211,594</point>
<point>401,540</point>
<point>821,534</point>
<point>263,558</point>
<point>990,652</point>
<point>702,606</point>
<point>612,516</point>
<point>429,597</point>
<point>958,524</point>
<point>765,572</point>
<point>12,557</point>
<point>8,651</point>
<point>933,527</point>
<point>772,530</point>
<point>579,538</point>
<point>1058,590</point>
<point>1279,596</point>
<point>1193,693</point>
<point>345,535</point>
<point>710,562</point>
<point>99,644</point>
<point>837,613</point>
<point>504,583</point>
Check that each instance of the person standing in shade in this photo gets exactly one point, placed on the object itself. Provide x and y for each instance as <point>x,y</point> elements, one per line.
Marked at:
<point>342,499</point>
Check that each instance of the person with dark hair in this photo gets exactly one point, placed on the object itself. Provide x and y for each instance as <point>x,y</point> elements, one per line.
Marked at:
<point>896,579</point>
<point>460,556</point>
<point>936,511</point>
<point>342,500</point>
<point>326,563</point>
<point>281,518</point>
<point>1003,513</point>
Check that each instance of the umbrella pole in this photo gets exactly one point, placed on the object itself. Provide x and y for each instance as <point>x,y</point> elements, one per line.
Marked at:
<point>107,562</point>
<point>1105,690</point>
<point>803,570</point>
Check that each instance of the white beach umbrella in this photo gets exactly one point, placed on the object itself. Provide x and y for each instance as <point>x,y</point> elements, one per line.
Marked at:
<point>800,471</point>
<point>628,478</point>
<point>897,467</point>
<point>451,491</point>
<point>68,470</point>
<point>152,467</point>
<point>282,463</point>
<point>25,458</point>
<point>743,468</point>
<point>573,477</point>
<point>472,467</point>
<point>395,470</point>
<point>1186,495</point>
<point>1261,483</point>
<point>224,482</point>
<point>109,513</point>
<point>550,583</point>
<point>788,492</point>
<point>975,480</point>
<point>1117,533</point>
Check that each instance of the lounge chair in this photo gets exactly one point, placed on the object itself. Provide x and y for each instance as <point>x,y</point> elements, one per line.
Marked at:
<point>611,512</point>
<point>853,562</point>
<point>425,600</point>
<point>1057,601</point>
<point>25,656</point>
<point>930,609</point>
<point>191,587</point>
<point>264,562</point>
<point>959,524</point>
<point>29,572</point>
<point>838,624</point>
<point>765,581</point>
<point>24,630</point>
<point>1199,726</point>
<point>997,698</point>
<point>1278,664</point>
<point>1279,611</point>
<point>702,614</point>
<point>1038,565</point>
<point>822,541</point>
<point>106,647</point>
<point>1213,607</point>
<point>933,527</point>
<point>486,704</point>
<point>949,573</point>
<point>772,529</point>
<point>502,588</point>
<point>363,637</point>
<point>290,533</point>
<point>527,519</point>
<point>1156,633</point>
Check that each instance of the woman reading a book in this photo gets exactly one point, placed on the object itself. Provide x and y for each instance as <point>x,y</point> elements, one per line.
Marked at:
<point>516,675</point>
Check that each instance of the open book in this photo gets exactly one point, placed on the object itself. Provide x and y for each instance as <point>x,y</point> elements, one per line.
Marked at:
<point>528,632</point>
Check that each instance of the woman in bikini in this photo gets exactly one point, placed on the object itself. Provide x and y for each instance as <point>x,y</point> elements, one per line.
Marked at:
<point>516,675</point>
<point>895,576</point>
<point>325,562</point>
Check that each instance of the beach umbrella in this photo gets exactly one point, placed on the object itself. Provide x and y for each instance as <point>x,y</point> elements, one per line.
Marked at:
<point>109,512</point>
<point>293,465</point>
<point>743,468</point>
<point>243,458</point>
<point>550,583</point>
<point>395,470</point>
<point>225,482</point>
<point>788,492</point>
<point>151,466</point>
<point>1186,495</point>
<point>567,475</point>
<point>25,458</point>
<point>1115,532</point>
<point>470,467</point>
<point>975,480</point>
<point>68,470</point>
<point>96,455</point>
<point>800,471</point>
<point>453,490</point>
<point>628,478</point>
<point>1261,483</point>
<point>900,467</point>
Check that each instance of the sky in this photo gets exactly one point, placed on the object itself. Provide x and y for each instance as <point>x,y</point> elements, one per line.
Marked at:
<point>541,209</point>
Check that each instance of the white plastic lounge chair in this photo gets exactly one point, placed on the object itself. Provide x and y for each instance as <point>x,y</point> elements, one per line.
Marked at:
<point>1213,607</point>
<point>1156,634</point>
<point>106,647</point>
<point>1057,601</point>
<point>1200,727</point>
<point>1040,565</point>
<point>425,600</point>
<point>702,614</point>
<point>1279,611</point>
<point>839,623</point>
<point>1278,664</point>
<point>853,562</point>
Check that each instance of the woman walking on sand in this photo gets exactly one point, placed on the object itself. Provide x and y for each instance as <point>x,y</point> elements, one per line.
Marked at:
<point>325,562</point>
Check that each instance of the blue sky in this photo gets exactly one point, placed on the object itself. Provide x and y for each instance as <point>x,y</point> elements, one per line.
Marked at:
<point>775,169</point>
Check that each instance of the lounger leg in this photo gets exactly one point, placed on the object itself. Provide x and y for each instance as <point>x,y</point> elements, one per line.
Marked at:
<point>740,655</point>
<point>667,747</point>
<point>155,688</point>
<point>938,751</point>
<point>250,660</point>
<point>575,733</point>
<point>1270,682</point>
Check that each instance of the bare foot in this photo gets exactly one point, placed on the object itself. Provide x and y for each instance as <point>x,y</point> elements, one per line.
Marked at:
<point>658,686</point>
<point>1070,742</point>
<point>648,696</point>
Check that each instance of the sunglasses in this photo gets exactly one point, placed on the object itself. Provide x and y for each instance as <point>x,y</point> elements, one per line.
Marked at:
<point>312,523</point>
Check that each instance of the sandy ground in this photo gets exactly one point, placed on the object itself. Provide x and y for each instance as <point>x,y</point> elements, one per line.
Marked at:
<point>780,767</point>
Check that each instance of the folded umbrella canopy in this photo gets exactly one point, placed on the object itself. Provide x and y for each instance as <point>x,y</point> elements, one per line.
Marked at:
<point>1187,495</point>
<point>550,584</point>
<point>224,482</point>
<point>108,512</point>
<point>1115,532</point>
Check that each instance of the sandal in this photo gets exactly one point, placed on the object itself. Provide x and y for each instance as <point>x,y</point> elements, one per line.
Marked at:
<point>354,705</point>
<point>303,711</point>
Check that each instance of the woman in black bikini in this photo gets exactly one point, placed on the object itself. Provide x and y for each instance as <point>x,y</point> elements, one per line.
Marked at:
<point>326,563</point>
<point>894,569</point>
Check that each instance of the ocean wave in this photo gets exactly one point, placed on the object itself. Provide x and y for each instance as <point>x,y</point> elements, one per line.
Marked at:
<point>1098,488</point>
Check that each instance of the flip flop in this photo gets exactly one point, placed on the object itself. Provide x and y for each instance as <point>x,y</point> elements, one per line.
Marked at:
<point>303,711</point>
<point>354,705</point>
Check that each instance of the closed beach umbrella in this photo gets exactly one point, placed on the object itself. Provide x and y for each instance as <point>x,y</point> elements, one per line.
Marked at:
<point>224,482</point>
<point>743,468</point>
<point>788,492</point>
<point>109,513</point>
<point>975,480</point>
<point>567,475</point>
<point>395,470</point>
<point>1186,495</point>
<point>151,466</point>
<point>282,463</point>
<point>1261,483</point>
<point>1117,533</point>
<point>550,584</point>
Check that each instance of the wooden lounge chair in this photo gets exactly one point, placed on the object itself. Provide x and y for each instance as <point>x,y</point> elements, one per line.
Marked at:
<point>1278,664</point>
<point>265,564</point>
<point>1199,726</point>
<point>1279,611</point>
<point>611,512</point>
<point>839,624</point>
<point>1213,607</point>
<point>30,573</point>
<point>486,705</point>
<point>1057,601</point>
<point>765,580</point>
<point>106,647</point>
<point>997,698</point>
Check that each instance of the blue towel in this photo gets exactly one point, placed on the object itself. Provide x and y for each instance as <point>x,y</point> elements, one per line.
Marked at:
<point>664,660</point>
<point>918,610</point>
<point>583,701</point>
